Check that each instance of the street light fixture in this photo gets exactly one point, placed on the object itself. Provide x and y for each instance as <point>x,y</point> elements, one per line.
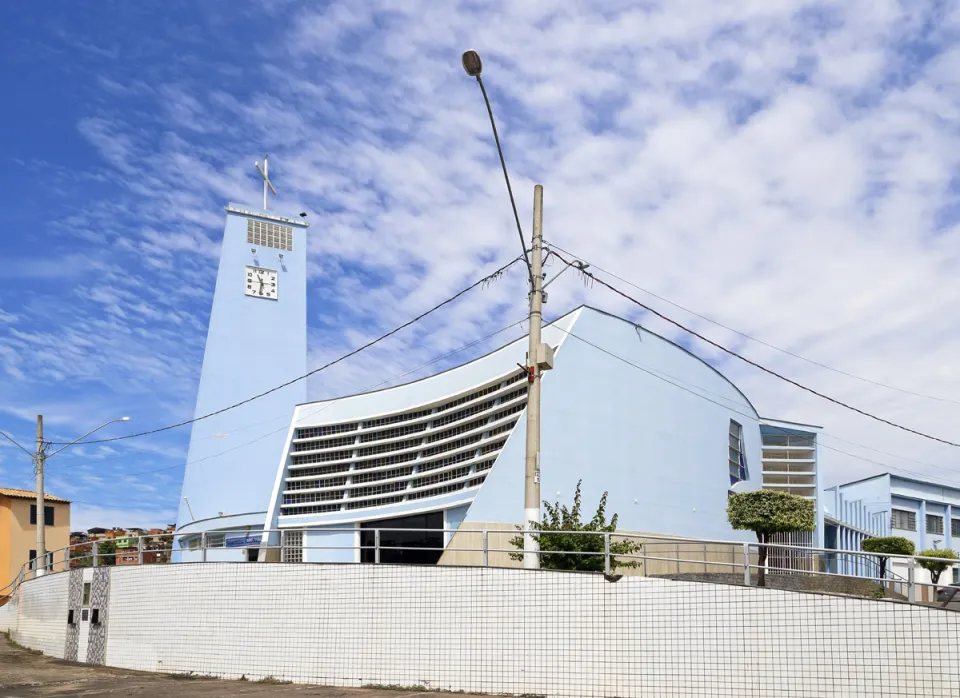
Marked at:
<point>39,460</point>
<point>471,63</point>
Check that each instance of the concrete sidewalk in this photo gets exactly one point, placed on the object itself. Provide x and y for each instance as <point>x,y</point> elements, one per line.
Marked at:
<point>27,674</point>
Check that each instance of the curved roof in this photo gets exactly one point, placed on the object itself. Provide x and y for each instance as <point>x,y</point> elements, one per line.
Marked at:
<point>566,315</point>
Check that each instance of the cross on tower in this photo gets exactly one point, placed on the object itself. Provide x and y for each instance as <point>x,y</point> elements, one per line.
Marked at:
<point>266,180</point>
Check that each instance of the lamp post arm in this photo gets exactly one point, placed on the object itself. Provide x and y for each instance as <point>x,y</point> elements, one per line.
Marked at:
<point>80,438</point>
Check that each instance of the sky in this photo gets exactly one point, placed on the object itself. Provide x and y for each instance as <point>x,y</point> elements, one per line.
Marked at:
<point>788,170</point>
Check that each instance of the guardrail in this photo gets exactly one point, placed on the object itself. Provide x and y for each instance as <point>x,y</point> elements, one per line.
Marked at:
<point>721,561</point>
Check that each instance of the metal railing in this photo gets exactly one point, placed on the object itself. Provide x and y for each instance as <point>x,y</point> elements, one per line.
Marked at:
<point>720,561</point>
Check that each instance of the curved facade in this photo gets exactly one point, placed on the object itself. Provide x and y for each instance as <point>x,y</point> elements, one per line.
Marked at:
<point>625,410</point>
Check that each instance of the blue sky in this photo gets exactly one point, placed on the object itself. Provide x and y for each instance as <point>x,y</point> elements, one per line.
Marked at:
<point>788,169</point>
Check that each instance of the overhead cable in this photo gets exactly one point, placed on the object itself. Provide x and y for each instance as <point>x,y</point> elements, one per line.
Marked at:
<point>753,363</point>
<point>496,274</point>
<point>760,341</point>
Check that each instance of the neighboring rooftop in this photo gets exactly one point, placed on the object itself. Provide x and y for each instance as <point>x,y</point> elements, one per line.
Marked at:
<point>14,493</point>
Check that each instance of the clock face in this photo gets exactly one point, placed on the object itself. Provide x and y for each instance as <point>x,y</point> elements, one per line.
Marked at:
<point>261,283</point>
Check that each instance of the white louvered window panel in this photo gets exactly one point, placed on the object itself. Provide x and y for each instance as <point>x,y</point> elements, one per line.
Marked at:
<point>266,234</point>
<point>413,455</point>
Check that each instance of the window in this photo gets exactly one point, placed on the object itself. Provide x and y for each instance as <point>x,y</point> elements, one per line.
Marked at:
<point>47,515</point>
<point>736,459</point>
<point>955,527</point>
<point>934,524</point>
<point>903,520</point>
<point>33,556</point>
<point>292,546</point>
<point>86,595</point>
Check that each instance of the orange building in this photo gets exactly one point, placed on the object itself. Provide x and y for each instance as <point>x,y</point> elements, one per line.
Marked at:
<point>18,530</point>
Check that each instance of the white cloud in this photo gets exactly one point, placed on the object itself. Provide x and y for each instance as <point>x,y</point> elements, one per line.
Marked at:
<point>785,168</point>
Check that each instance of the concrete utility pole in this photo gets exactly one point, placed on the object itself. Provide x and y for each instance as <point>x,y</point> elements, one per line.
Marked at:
<point>535,351</point>
<point>38,461</point>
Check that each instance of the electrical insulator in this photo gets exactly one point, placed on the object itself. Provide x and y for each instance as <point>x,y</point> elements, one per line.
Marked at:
<point>531,374</point>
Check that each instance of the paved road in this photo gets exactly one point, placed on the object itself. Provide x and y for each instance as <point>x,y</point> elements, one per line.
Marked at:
<point>29,674</point>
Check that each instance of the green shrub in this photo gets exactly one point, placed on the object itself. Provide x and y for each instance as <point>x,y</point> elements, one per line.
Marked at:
<point>935,567</point>
<point>576,551</point>
<point>889,545</point>
<point>766,512</point>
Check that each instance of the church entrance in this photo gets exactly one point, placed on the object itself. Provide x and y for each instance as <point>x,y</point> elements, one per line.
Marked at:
<point>426,534</point>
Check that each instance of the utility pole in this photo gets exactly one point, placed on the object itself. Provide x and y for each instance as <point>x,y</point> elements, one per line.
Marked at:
<point>41,559</point>
<point>535,356</point>
<point>40,458</point>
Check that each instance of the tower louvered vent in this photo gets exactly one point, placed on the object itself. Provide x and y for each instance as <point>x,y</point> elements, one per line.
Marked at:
<point>265,234</point>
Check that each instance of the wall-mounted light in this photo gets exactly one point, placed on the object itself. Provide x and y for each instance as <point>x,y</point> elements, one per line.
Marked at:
<point>253,250</point>
<point>281,255</point>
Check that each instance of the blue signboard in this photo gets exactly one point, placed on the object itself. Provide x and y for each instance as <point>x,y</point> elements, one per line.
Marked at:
<point>242,541</point>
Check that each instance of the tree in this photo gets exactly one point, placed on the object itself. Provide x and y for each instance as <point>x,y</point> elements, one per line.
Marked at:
<point>889,545</point>
<point>576,551</point>
<point>82,556</point>
<point>766,512</point>
<point>935,567</point>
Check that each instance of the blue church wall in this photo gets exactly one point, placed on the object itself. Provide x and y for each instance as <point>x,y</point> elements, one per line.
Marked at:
<point>659,450</point>
<point>253,344</point>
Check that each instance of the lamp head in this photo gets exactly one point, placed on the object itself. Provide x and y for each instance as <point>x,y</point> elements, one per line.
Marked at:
<point>472,63</point>
<point>124,419</point>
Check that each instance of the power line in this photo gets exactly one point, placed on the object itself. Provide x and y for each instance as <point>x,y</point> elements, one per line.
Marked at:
<point>692,388</point>
<point>760,341</point>
<point>326,404</point>
<point>754,363</point>
<point>356,351</point>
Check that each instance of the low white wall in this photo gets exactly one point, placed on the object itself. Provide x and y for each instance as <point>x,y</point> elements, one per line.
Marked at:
<point>506,631</point>
<point>8,616</point>
<point>41,608</point>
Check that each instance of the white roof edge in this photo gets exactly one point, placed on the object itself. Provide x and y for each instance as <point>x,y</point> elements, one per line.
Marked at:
<point>789,425</point>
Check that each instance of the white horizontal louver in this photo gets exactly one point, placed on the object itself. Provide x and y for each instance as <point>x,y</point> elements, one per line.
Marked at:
<point>413,455</point>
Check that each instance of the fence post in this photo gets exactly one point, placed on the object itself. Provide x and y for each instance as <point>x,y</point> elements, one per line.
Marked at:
<point>911,576</point>
<point>140,550</point>
<point>203,547</point>
<point>486,549</point>
<point>746,564</point>
<point>376,546</point>
<point>607,567</point>
<point>96,556</point>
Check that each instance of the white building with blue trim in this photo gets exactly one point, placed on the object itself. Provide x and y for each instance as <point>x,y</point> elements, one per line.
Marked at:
<point>923,511</point>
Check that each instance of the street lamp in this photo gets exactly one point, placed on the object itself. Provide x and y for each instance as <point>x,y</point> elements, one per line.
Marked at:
<point>472,63</point>
<point>39,460</point>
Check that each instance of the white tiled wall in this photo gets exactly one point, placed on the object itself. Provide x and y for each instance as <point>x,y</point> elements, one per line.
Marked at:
<point>42,614</point>
<point>516,631</point>
<point>8,616</point>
